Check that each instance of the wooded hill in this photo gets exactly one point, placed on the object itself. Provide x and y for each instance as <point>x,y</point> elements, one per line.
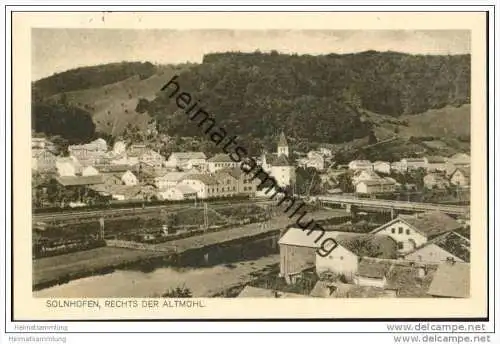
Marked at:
<point>325,99</point>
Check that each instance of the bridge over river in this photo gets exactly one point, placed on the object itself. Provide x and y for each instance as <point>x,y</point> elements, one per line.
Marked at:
<point>349,201</point>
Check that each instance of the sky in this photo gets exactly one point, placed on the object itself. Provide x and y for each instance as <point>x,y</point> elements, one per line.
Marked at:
<point>57,50</point>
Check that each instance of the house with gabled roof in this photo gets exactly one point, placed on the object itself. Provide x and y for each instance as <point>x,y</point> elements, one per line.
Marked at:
<point>460,177</point>
<point>436,163</point>
<point>206,186</point>
<point>298,250</point>
<point>220,161</point>
<point>452,280</point>
<point>414,163</point>
<point>448,246</point>
<point>435,180</point>
<point>186,160</point>
<point>413,231</point>
<point>352,247</point>
<point>43,160</point>
<point>382,167</point>
<point>376,186</point>
<point>360,165</point>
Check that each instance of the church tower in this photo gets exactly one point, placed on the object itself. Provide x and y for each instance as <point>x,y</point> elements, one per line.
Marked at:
<point>282,145</point>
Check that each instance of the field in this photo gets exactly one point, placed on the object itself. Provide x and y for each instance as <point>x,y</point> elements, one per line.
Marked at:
<point>113,106</point>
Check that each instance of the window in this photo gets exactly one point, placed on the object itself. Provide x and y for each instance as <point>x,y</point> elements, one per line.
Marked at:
<point>400,230</point>
<point>393,230</point>
<point>407,232</point>
<point>341,257</point>
<point>400,245</point>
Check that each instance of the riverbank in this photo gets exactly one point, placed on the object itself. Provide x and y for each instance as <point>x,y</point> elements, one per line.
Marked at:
<point>64,268</point>
<point>201,281</point>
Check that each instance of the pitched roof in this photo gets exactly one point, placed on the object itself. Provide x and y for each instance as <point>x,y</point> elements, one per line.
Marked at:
<point>189,155</point>
<point>79,180</point>
<point>431,223</point>
<point>236,172</point>
<point>461,157</point>
<point>414,159</point>
<point>465,171</point>
<point>453,243</point>
<point>112,168</point>
<point>282,140</point>
<point>185,189</point>
<point>173,176</point>
<point>371,174</point>
<point>451,280</point>
<point>365,162</point>
<point>436,159</point>
<point>368,245</point>
<point>204,178</point>
<point>221,157</point>
<point>296,236</point>
<point>250,291</point>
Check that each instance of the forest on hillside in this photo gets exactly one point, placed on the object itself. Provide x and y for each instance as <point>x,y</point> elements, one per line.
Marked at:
<point>90,77</point>
<point>256,95</point>
<point>318,98</point>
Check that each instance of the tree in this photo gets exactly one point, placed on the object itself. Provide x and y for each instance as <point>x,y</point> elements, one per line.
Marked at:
<point>345,183</point>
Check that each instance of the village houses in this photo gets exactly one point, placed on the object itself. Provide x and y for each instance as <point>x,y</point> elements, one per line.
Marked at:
<point>376,186</point>
<point>399,167</point>
<point>299,251</point>
<point>177,193</point>
<point>152,158</point>
<point>245,184</point>
<point>436,164</point>
<point>460,177</point>
<point>435,181</point>
<point>413,231</point>
<point>314,160</point>
<point>68,166</point>
<point>43,160</point>
<point>382,167</point>
<point>219,162</point>
<point>446,247</point>
<point>414,163</point>
<point>360,165</point>
<point>278,165</point>
<point>89,171</point>
<point>168,179</point>
<point>206,186</point>
<point>345,258</point>
<point>364,175</point>
<point>90,153</point>
<point>186,160</point>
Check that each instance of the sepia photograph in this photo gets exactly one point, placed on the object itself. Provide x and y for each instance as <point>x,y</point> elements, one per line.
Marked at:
<point>250,166</point>
<point>175,168</point>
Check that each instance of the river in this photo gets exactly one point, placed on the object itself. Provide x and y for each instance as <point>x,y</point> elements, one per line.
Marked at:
<point>226,267</point>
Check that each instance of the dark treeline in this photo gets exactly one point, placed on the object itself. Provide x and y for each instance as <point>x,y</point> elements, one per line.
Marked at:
<point>72,124</point>
<point>318,98</point>
<point>89,77</point>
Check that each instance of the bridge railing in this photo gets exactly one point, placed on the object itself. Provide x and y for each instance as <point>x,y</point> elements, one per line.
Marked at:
<point>398,204</point>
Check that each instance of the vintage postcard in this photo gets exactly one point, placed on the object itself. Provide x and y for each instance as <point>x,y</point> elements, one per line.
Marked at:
<point>249,165</point>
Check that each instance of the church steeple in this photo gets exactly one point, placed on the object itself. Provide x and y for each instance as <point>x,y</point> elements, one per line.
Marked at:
<point>282,145</point>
